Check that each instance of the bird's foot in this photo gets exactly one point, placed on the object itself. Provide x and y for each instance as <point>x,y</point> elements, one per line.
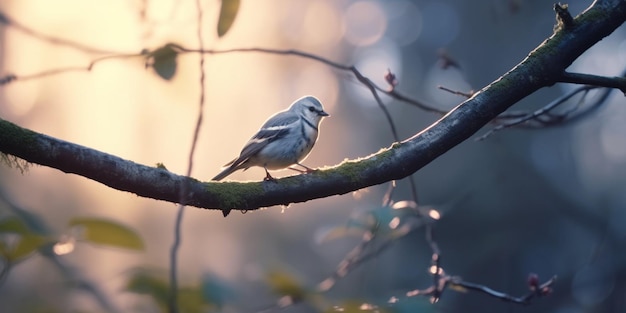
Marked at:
<point>306,169</point>
<point>269,177</point>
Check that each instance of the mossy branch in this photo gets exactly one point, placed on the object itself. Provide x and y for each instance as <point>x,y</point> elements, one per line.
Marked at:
<point>543,67</point>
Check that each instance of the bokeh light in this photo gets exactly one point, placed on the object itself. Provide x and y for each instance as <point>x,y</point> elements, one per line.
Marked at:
<point>364,23</point>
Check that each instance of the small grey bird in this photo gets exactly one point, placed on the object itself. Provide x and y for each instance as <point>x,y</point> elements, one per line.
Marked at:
<point>285,139</point>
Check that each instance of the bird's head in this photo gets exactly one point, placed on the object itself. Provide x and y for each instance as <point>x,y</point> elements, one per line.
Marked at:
<point>310,108</point>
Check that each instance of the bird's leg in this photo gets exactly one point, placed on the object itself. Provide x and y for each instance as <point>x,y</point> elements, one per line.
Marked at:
<point>268,177</point>
<point>307,170</point>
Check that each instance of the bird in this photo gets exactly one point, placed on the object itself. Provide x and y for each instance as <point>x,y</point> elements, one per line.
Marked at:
<point>285,139</point>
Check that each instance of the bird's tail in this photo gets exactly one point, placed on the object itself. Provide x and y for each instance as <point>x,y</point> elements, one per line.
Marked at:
<point>227,171</point>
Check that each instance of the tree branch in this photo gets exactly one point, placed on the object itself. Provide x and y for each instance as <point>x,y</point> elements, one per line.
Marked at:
<point>543,67</point>
<point>594,80</point>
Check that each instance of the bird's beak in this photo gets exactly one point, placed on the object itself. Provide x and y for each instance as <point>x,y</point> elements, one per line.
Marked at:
<point>322,113</point>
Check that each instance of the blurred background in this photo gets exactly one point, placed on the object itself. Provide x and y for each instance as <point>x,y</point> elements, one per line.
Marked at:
<point>548,201</point>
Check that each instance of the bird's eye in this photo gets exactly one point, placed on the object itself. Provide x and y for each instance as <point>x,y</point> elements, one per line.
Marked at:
<point>311,109</point>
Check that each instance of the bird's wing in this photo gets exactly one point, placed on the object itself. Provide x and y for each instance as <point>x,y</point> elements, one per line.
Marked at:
<point>274,128</point>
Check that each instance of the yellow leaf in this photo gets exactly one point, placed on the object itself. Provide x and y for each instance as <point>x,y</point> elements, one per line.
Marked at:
<point>228,12</point>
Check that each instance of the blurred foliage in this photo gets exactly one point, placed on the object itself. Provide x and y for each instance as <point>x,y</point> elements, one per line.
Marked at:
<point>23,243</point>
<point>228,13</point>
<point>24,234</point>
<point>284,284</point>
<point>108,233</point>
<point>393,221</point>
<point>208,296</point>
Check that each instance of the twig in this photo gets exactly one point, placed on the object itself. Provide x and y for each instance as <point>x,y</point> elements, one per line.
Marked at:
<point>4,19</point>
<point>173,303</point>
<point>594,80</point>
<point>540,112</point>
<point>456,92</point>
<point>4,272</point>
<point>12,77</point>
<point>536,291</point>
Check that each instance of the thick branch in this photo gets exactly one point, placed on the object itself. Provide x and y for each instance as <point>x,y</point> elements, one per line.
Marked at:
<point>543,67</point>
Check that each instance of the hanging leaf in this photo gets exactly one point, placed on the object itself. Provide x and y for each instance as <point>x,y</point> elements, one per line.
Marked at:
<point>109,233</point>
<point>163,61</point>
<point>228,12</point>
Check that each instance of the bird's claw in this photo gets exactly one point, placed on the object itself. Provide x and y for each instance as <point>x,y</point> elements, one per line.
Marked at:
<point>269,177</point>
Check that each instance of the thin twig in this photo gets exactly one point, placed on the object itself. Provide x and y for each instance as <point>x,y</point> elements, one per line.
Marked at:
<point>12,77</point>
<point>4,19</point>
<point>456,92</point>
<point>4,272</point>
<point>542,290</point>
<point>535,115</point>
<point>594,80</point>
<point>173,303</point>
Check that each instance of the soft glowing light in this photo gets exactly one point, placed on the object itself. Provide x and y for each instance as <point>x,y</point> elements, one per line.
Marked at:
<point>393,224</point>
<point>358,194</point>
<point>393,300</point>
<point>368,236</point>
<point>367,307</point>
<point>403,205</point>
<point>285,301</point>
<point>326,284</point>
<point>435,269</point>
<point>364,23</point>
<point>434,214</point>
<point>405,21</point>
<point>283,208</point>
<point>64,246</point>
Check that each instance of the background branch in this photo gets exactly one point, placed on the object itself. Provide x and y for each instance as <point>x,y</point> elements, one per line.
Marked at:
<point>594,80</point>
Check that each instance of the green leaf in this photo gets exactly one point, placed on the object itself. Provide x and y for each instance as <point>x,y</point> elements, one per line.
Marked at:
<point>228,12</point>
<point>25,246</point>
<point>190,300</point>
<point>285,284</point>
<point>13,225</point>
<point>23,223</point>
<point>150,283</point>
<point>163,61</point>
<point>26,242</point>
<point>145,283</point>
<point>109,233</point>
